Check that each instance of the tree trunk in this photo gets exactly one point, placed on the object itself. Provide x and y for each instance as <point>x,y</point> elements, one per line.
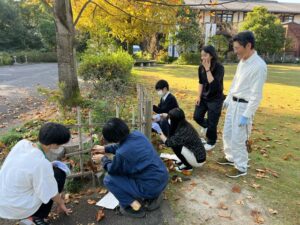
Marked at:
<point>65,36</point>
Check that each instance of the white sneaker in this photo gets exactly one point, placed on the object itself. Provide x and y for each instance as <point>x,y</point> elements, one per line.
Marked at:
<point>26,222</point>
<point>183,167</point>
<point>209,147</point>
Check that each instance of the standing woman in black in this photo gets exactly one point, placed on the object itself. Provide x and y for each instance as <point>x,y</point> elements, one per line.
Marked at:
<point>210,95</point>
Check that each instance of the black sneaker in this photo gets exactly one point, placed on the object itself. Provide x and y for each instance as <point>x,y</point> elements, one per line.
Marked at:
<point>235,173</point>
<point>224,161</point>
<point>39,221</point>
<point>153,204</point>
<point>128,211</point>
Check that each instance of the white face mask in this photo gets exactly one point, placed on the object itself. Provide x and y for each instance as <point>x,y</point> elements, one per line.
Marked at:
<point>160,93</point>
<point>169,121</point>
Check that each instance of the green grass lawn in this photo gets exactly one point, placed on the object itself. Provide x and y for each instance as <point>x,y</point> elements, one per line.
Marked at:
<point>276,132</point>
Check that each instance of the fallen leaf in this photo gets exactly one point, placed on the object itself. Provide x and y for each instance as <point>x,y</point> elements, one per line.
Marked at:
<point>76,201</point>
<point>100,215</point>
<point>272,211</point>
<point>236,189</point>
<point>240,202</point>
<point>193,184</point>
<point>186,172</point>
<point>222,206</point>
<point>254,185</point>
<point>257,217</point>
<point>103,191</point>
<point>225,215</point>
<point>91,202</point>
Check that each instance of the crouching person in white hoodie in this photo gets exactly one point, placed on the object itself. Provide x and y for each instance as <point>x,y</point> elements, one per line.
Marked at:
<point>29,183</point>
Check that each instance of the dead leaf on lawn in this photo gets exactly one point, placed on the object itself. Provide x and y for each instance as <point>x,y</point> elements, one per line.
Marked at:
<point>89,192</point>
<point>222,206</point>
<point>76,201</point>
<point>240,202</point>
<point>257,217</point>
<point>193,184</point>
<point>91,202</point>
<point>272,211</point>
<point>100,215</point>
<point>223,214</point>
<point>255,186</point>
<point>236,189</point>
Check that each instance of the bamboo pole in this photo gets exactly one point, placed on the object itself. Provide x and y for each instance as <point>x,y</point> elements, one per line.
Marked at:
<point>80,138</point>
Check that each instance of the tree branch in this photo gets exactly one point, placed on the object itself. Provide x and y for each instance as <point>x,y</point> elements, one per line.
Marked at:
<point>81,11</point>
<point>138,18</point>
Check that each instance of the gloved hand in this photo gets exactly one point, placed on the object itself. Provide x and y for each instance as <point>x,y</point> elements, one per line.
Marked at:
<point>156,127</point>
<point>156,117</point>
<point>61,166</point>
<point>244,121</point>
<point>226,103</point>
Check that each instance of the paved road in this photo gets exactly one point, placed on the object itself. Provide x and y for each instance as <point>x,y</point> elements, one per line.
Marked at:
<point>18,88</point>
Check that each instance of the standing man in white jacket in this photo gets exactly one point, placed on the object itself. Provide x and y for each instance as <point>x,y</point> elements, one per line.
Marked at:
<point>241,102</point>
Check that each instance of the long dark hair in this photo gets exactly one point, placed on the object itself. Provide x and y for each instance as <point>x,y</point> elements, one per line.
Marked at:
<point>178,121</point>
<point>212,51</point>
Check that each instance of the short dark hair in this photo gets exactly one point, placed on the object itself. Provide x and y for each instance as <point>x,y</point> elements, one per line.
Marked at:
<point>115,130</point>
<point>161,84</point>
<point>245,37</point>
<point>54,133</point>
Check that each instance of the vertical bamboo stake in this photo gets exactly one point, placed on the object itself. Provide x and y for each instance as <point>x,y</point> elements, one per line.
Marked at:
<point>92,142</point>
<point>132,117</point>
<point>148,119</point>
<point>117,111</point>
<point>80,138</point>
<point>139,106</point>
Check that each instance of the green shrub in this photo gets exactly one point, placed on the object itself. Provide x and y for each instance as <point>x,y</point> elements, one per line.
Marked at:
<point>11,138</point>
<point>6,59</point>
<point>107,66</point>
<point>36,56</point>
<point>188,59</point>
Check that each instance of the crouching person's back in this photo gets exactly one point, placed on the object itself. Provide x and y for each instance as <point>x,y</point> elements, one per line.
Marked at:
<point>136,175</point>
<point>29,183</point>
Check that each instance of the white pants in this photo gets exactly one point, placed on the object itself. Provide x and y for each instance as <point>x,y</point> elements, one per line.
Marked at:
<point>234,137</point>
<point>190,157</point>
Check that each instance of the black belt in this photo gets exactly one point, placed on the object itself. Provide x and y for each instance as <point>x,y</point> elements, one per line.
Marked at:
<point>239,100</point>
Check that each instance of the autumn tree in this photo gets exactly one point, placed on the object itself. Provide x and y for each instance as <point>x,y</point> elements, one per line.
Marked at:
<point>269,33</point>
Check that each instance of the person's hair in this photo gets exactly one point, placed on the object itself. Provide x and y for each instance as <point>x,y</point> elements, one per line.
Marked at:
<point>161,84</point>
<point>212,51</point>
<point>115,130</point>
<point>245,37</point>
<point>178,121</point>
<point>54,133</point>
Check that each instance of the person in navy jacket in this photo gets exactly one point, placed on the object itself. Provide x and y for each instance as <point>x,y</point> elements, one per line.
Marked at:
<point>167,102</point>
<point>136,175</point>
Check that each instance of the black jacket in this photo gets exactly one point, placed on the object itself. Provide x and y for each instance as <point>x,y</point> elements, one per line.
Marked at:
<point>165,106</point>
<point>213,90</point>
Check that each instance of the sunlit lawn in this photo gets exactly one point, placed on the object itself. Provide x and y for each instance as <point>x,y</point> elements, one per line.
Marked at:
<point>276,131</point>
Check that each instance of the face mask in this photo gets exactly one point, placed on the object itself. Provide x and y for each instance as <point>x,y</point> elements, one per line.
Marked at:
<point>160,93</point>
<point>169,121</point>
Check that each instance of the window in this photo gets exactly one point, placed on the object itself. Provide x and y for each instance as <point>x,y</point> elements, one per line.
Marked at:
<point>225,16</point>
<point>286,18</point>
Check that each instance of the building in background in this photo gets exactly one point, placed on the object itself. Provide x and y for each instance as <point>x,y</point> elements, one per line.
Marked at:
<point>225,18</point>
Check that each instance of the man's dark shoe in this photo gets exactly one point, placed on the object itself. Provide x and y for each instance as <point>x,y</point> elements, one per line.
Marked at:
<point>224,161</point>
<point>153,204</point>
<point>128,211</point>
<point>235,173</point>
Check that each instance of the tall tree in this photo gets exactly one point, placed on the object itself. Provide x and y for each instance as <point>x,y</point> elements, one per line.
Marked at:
<point>269,33</point>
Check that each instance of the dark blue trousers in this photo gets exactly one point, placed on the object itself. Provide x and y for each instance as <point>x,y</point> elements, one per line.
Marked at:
<point>126,190</point>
